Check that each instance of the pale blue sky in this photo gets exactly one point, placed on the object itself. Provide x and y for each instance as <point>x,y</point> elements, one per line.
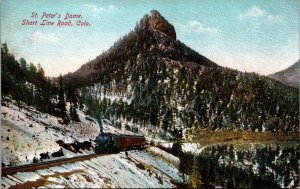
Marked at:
<point>248,35</point>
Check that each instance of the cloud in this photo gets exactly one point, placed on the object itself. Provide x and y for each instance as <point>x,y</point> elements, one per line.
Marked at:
<point>41,37</point>
<point>257,12</point>
<point>94,8</point>
<point>274,18</point>
<point>252,12</point>
<point>197,27</point>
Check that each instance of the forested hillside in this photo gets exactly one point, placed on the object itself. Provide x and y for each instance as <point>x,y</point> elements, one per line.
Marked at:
<point>150,79</point>
<point>27,84</point>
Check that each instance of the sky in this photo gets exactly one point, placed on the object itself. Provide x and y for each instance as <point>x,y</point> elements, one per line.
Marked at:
<point>248,35</point>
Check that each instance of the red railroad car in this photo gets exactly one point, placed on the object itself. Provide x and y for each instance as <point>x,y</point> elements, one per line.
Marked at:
<point>129,141</point>
<point>108,142</point>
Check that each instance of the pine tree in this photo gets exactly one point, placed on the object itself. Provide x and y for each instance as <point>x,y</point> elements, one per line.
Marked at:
<point>24,67</point>
<point>5,77</point>
<point>41,100</point>
<point>72,97</point>
<point>61,102</point>
<point>32,78</point>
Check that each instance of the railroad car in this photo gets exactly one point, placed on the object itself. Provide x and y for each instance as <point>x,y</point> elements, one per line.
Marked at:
<point>108,142</point>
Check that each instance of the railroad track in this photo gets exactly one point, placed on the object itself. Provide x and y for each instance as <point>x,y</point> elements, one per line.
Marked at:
<point>42,165</point>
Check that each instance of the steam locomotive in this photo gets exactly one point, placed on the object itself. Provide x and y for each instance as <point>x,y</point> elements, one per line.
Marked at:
<point>109,142</point>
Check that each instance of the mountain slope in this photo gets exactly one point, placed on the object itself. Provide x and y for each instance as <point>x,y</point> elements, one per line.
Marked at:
<point>289,76</point>
<point>153,36</point>
<point>27,135</point>
<point>150,81</point>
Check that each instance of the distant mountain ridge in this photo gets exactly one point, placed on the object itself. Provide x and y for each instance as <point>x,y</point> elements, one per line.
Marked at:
<point>289,76</point>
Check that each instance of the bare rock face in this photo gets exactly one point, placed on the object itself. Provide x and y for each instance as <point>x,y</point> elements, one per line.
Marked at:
<point>160,24</point>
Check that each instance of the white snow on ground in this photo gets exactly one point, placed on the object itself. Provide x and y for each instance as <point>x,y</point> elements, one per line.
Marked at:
<point>27,132</point>
<point>169,157</point>
<point>22,176</point>
<point>109,129</point>
<point>194,148</point>
<point>141,169</point>
<point>166,144</point>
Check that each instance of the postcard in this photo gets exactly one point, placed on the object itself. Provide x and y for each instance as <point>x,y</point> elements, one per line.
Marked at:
<point>150,94</point>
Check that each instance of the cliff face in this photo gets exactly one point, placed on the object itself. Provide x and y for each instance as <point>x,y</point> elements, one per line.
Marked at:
<point>160,24</point>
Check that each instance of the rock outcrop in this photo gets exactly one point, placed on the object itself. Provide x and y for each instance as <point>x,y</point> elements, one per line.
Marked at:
<point>158,23</point>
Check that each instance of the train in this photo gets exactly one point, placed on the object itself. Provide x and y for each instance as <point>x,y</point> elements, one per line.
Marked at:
<point>109,142</point>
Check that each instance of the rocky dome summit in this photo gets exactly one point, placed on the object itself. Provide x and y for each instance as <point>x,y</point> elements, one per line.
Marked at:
<point>159,24</point>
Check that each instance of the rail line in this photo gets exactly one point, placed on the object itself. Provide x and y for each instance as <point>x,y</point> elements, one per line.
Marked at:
<point>42,165</point>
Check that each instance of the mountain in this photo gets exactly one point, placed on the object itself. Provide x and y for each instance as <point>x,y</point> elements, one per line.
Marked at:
<point>289,76</point>
<point>153,36</point>
<point>151,82</point>
<point>223,127</point>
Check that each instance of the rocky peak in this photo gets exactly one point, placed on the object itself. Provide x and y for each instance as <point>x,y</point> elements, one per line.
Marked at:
<point>159,24</point>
